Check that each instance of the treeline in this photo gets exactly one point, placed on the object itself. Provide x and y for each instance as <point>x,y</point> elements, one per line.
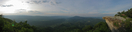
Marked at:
<point>125,14</point>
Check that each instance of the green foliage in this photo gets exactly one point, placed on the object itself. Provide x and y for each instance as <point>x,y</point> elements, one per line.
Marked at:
<point>7,25</point>
<point>90,31</point>
<point>102,27</point>
<point>76,30</point>
<point>87,28</point>
<point>125,13</point>
<point>96,31</point>
<point>1,23</point>
<point>127,24</point>
<point>116,24</point>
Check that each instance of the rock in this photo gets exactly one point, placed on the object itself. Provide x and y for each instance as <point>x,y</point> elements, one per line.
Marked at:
<point>115,20</point>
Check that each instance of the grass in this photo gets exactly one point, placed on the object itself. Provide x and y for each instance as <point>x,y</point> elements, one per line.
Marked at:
<point>116,24</point>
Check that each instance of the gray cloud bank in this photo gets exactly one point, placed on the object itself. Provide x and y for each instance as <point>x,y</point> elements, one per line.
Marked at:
<point>6,5</point>
<point>52,2</point>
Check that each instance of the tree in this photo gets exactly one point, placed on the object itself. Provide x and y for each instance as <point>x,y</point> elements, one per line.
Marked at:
<point>101,26</point>
<point>119,13</point>
<point>87,28</point>
<point>128,13</point>
<point>7,25</point>
<point>1,15</point>
<point>1,23</point>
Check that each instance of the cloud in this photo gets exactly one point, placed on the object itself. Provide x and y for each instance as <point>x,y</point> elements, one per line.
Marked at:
<point>58,2</point>
<point>28,11</point>
<point>21,10</point>
<point>6,5</point>
<point>3,1</point>
<point>37,2</point>
<point>76,8</point>
<point>45,1</point>
<point>34,12</point>
<point>52,2</point>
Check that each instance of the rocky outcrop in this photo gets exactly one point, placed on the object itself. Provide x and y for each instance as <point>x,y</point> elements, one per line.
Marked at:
<point>1,15</point>
<point>115,23</point>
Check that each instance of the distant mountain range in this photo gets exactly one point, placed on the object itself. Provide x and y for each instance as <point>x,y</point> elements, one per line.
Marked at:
<point>55,20</point>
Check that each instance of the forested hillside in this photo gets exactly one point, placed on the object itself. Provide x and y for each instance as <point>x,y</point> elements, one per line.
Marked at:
<point>8,25</point>
<point>100,27</point>
<point>56,20</point>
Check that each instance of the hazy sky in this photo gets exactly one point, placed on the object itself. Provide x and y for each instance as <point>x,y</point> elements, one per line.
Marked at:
<point>86,8</point>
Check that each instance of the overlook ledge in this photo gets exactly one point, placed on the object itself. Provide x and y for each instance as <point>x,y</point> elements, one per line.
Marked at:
<point>115,23</point>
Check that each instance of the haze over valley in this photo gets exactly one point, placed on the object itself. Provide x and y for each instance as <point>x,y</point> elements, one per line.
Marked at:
<point>65,16</point>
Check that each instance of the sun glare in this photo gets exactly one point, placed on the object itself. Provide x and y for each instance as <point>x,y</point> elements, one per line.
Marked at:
<point>16,5</point>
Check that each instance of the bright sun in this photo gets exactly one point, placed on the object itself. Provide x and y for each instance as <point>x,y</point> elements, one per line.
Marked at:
<point>16,5</point>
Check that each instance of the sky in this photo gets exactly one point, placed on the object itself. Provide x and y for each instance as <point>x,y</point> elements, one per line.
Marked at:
<point>85,8</point>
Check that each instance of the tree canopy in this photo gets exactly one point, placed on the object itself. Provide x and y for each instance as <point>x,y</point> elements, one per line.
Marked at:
<point>127,13</point>
<point>7,25</point>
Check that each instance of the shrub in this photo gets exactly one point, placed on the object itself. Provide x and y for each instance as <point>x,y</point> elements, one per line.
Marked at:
<point>116,24</point>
